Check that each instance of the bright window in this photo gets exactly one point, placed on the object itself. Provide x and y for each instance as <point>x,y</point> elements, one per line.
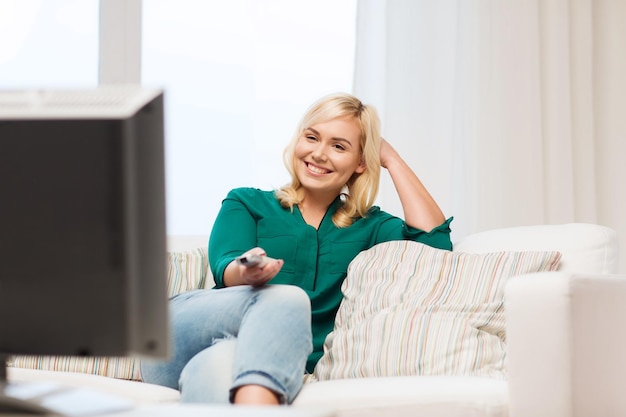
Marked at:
<point>238,75</point>
<point>52,43</point>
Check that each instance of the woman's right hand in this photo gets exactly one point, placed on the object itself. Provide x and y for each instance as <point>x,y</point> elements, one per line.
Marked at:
<point>257,276</point>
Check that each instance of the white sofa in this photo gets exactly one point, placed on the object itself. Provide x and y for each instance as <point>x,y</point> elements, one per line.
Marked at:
<point>564,331</point>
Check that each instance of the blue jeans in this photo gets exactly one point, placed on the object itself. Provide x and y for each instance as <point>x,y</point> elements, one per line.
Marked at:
<point>224,339</point>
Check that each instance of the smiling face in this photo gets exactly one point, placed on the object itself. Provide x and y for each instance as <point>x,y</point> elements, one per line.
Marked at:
<point>326,156</point>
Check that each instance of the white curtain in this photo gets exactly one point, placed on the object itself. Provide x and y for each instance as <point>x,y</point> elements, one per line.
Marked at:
<point>512,112</point>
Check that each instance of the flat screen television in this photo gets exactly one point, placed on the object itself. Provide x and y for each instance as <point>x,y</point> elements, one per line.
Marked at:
<point>82,223</point>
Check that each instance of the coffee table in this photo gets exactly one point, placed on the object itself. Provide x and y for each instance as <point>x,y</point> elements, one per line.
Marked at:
<point>198,410</point>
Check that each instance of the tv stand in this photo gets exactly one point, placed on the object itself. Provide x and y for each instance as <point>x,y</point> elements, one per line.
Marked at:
<point>49,398</point>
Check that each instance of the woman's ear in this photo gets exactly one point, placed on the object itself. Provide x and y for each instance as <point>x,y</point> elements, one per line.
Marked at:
<point>361,168</point>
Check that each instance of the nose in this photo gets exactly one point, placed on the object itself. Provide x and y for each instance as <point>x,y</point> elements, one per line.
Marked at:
<point>319,153</point>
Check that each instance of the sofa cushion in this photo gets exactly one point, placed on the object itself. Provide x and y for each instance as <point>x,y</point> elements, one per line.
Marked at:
<point>410,309</point>
<point>186,270</point>
<point>409,396</point>
<point>584,247</point>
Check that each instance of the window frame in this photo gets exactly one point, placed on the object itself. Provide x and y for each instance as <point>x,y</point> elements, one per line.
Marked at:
<point>120,42</point>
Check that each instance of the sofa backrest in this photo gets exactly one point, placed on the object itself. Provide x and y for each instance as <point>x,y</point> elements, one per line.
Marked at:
<point>184,243</point>
<point>586,248</point>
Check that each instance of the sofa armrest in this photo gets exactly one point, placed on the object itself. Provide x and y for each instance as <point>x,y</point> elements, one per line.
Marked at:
<point>566,342</point>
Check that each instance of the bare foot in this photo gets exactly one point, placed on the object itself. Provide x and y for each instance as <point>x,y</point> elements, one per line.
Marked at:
<point>255,395</point>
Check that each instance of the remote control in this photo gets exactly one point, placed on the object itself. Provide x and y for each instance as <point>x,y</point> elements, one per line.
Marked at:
<point>254,260</point>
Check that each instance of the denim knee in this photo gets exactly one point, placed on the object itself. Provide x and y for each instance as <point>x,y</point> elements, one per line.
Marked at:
<point>291,298</point>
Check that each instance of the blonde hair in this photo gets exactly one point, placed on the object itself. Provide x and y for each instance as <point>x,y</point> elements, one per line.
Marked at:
<point>361,189</point>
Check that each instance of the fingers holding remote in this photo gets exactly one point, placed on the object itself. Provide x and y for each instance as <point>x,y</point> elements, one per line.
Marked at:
<point>256,268</point>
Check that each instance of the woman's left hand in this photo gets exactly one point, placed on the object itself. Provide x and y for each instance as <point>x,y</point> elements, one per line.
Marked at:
<point>420,209</point>
<point>387,153</point>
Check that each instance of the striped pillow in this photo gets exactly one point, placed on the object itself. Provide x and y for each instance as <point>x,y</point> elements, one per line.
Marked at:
<point>410,309</point>
<point>185,271</point>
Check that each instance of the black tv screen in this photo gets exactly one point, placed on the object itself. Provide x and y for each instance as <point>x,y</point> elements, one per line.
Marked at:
<point>82,222</point>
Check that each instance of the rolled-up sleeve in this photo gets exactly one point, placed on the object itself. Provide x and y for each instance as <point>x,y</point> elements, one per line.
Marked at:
<point>394,228</point>
<point>439,237</point>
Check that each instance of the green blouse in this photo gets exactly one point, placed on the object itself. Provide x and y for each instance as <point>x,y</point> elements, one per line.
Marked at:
<point>315,260</point>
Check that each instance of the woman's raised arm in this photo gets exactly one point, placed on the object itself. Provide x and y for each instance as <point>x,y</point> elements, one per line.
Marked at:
<point>420,209</point>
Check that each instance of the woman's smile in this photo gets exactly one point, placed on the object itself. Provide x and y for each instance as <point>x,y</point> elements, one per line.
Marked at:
<point>316,169</point>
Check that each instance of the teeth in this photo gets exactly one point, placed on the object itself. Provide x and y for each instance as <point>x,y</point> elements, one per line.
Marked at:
<point>317,170</point>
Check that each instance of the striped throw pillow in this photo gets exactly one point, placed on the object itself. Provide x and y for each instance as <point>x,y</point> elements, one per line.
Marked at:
<point>410,309</point>
<point>185,271</point>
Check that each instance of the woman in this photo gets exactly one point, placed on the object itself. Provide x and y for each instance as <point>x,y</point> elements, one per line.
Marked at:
<point>250,340</point>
